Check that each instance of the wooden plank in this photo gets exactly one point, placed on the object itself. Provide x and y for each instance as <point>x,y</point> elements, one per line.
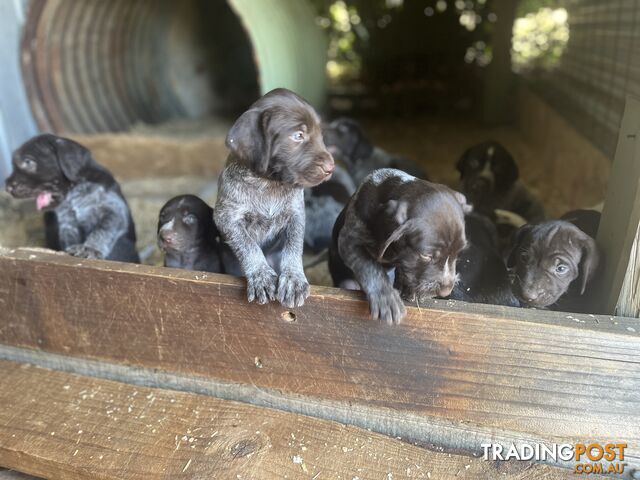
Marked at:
<point>620,222</point>
<point>629,301</point>
<point>62,426</point>
<point>456,378</point>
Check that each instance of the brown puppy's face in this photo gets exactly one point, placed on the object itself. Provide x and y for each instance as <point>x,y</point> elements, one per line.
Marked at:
<point>280,138</point>
<point>427,239</point>
<point>346,140</point>
<point>486,169</point>
<point>546,259</point>
<point>46,167</point>
<point>185,223</point>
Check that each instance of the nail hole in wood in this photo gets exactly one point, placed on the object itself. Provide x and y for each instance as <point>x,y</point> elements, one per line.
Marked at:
<point>288,316</point>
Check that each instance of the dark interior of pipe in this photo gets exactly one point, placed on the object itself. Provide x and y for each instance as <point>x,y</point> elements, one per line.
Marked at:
<point>104,66</point>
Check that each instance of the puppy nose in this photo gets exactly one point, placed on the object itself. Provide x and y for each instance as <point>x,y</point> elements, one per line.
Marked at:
<point>530,296</point>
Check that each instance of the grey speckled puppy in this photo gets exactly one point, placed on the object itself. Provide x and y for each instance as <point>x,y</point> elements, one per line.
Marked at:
<point>86,214</point>
<point>276,151</point>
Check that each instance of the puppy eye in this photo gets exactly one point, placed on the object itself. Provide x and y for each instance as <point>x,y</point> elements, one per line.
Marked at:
<point>298,136</point>
<point>28,164</point>
<point>190,219</point>
<point>562,269</point>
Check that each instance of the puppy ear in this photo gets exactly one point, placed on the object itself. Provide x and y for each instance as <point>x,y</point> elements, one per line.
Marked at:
<point>588,263</point>
<point>462,200</point>
<point>248,140</point>
<point>461,162</point>
<point>73,158</point>
<point>516,241</point>
<point>509,172</point>
<point>395,212</point>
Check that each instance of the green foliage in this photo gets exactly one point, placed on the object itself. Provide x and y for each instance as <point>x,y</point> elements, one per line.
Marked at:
<point>532,6</point>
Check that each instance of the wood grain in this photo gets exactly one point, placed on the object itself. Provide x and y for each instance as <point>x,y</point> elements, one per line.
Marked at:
<point>620,220</point>
<point>452,377</point>
<point>62,426</point>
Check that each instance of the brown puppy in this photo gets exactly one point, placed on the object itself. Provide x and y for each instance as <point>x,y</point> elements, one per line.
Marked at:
<point>85,213</point>
<point>188,236</point>
<point>396,224</point>
<point>490,179</point>
<point>551,260</point>
<point>276,151</point>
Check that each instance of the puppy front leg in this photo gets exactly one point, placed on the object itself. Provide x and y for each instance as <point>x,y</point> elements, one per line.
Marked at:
<point>68,235</point>
<point>385,302</point>
<point>261,279</point>
<point>293,287</point>
<point>102,239</point>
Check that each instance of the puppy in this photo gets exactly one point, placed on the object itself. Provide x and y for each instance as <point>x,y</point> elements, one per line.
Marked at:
<point>551,261</point>
<point>86,214</point>
<point>346,140</point>
<point>323,203</point>
<point>398,224</point>
<point>489,177</point>
<point>483,275</point>
<point>276,151</point>
<point>188,236</point>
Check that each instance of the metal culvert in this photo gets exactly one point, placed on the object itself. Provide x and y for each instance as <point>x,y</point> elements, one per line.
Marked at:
<point>103,66</point>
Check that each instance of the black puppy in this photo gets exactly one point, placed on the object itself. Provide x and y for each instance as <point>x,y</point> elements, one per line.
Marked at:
<point>551,261</point>
<point>346,140</point>
<point>276,151</point>
<point>398,224</point>
<point>86,214</point>
<point>489,177</point>
<point>188,235</point>
<point>323,203</point>
<point>483,275</point>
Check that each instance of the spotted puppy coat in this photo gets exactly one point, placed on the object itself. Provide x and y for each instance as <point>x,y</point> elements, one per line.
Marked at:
<point>276,151</point>
<point>86,214</point>
<point>402,228</point>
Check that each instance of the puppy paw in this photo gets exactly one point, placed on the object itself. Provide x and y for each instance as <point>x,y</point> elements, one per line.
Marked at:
<point>262,285</point>
<point>82,251</point>
<point>387,306</point>
<point>293,289</point>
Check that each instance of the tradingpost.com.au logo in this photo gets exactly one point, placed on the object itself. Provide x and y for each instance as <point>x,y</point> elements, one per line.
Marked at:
<point>588,458</point>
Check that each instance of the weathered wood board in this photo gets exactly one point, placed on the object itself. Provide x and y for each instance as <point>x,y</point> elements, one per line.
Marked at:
<point>618,233</point>
<point>452,378</point>
<point>61,426</point>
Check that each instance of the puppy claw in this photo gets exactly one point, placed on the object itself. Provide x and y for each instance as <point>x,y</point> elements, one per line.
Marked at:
<point>83,251</point>
<point>293,289</point>
<point>387,306</point>
<point>261,286</point>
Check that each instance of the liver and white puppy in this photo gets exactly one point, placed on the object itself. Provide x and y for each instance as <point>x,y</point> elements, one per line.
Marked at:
<point>489,177</point>
<point>398,223</point>
<point>188,236</point>
<point>551,260</point>
<point>323,203</point>
<point>483,275</point>
<point>86,214</point>
<point>346,140</point>
<point>276,151</point>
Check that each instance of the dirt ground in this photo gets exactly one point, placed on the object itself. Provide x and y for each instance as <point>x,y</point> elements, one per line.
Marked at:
<point>157,163</point>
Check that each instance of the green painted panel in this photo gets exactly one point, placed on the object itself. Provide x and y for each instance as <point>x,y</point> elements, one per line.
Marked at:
<point>289,47</point>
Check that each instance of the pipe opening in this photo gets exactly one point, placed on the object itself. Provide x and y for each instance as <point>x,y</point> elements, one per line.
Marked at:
<point>93,67</point>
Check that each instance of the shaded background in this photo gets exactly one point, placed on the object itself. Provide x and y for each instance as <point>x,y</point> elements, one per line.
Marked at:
<point>148,84</point>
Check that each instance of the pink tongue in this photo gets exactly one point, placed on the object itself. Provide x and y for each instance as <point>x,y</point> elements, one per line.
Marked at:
<point>43,200</point>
